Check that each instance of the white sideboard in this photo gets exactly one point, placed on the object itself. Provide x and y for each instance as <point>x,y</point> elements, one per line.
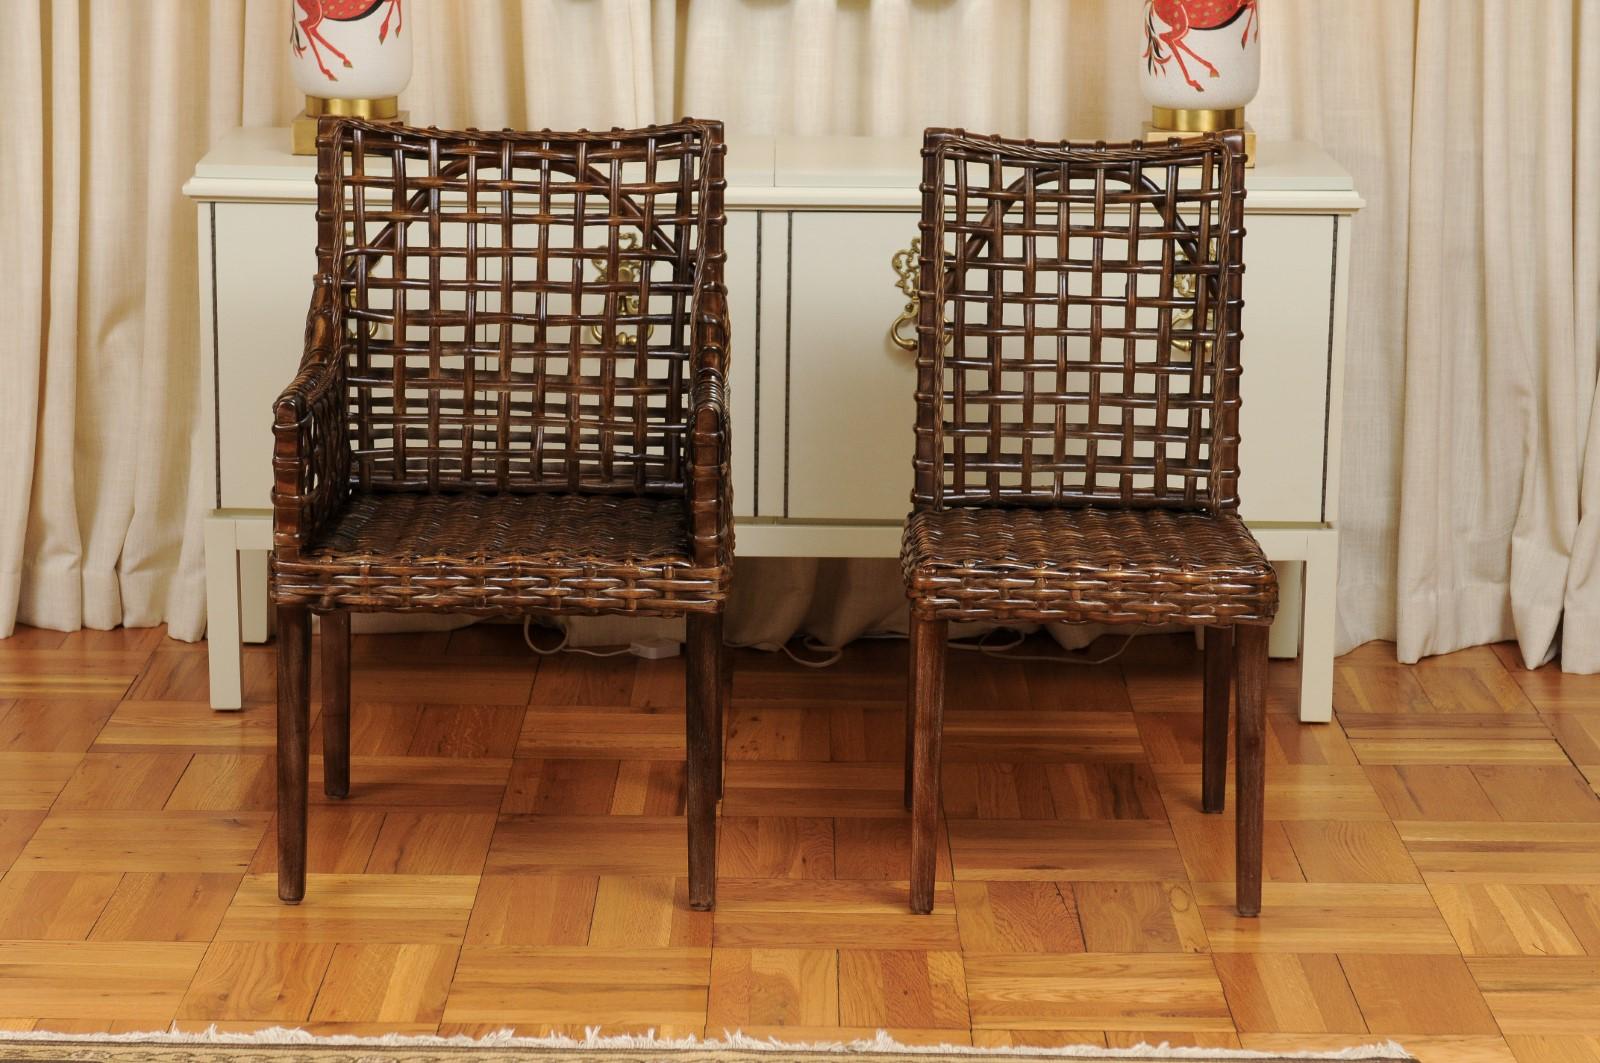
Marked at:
<point>822,400</point>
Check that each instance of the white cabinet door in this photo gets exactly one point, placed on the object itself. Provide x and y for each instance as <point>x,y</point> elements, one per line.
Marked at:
<point>1283,416</point>
<point>851,392</point>
<point>266,257</point>
<point>739,239</point>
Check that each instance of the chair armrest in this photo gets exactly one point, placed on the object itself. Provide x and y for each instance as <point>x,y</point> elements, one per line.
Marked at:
<point>710,488</point>
<point>310,455</point>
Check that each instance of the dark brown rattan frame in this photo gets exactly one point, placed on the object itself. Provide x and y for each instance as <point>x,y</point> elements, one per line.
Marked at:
<point>1077,425</point>
<point>512,401</point>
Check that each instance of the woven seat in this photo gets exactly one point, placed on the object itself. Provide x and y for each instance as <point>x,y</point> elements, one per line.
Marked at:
<point>1104,566</point>
<point>1077,433</point>
<point>505,554</point>
<point>512,401</point>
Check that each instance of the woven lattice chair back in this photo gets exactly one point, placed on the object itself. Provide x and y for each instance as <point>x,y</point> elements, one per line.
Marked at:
<point>1079,323</point>
<point>516,306</point>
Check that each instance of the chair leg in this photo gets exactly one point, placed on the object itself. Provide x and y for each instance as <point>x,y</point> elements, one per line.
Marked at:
<point>1250,677</point>
<point>704,678</point>
<point>1219,682</point>
<point>927,701</point>
<point>294,728</point>
<point>911,714</point>
<point>724,708</point>
<point>336,704</point>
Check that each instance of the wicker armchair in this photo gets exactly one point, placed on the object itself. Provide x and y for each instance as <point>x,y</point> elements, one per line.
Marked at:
<point>1077,428</point>
<point>512,401</point>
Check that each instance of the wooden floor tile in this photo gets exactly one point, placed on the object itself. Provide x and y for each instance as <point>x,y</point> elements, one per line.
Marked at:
<point>387,984</point>
<point>788,913</point>
<point>1557,1048</point>
<point>181,727</point>
<point>1385,686</point>
<point>340,841</point>
<point>648,788</point>
<point>1458,683</point>
<point>166,906</point>
<point>577,681</point>
<point>1342,851</point>
<point>880,850</point>
<point>381,909</point>
<point>30,781</point>
<point>257,980</point>
<point>466,731</point>
<point>639,911</point>
<point>126,781</point>
<point>1503,852</point>
<point>1007,917</point>
<point>778,846</point>
<point>532,910</point>
<point>758,731</point>
<point>999,790</point>
<point>420,784</point>
<point>1294,791</point>
<point>562,787</point>
<point>1322,917</point>
<point>482,681</point>
<point>1417,994</point>
<point>604,734</point>
<point>902,988</point>
<point>98,840</point>
<point>783,788</point>
<point>589,845</point>
<point>1057,737</point>
<point>93,979</point>
<point>16,828</point>
<point>1529,793</point>
<point>1131,917</point>
<point>1207,845</point>
<point>1096,991</point>
<point>432,843</point>
<point>1458,751</point>
<point>1541,994</point>
<point>580,986</point>
<point>222,782</point>
<point>78,676</point>
<point>53,905</point>
<point>1506,919</point>
<point>1288,993</point>
<point>1094,850</point>
<point>1440,792</point>
<point>1104,791</point>
<point>1580,907</point>
<point>42,726</point>
<point>754,988</point>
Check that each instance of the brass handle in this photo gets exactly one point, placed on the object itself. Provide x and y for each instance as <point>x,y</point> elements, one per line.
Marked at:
<point>905,265</point>
<point>627,272</point>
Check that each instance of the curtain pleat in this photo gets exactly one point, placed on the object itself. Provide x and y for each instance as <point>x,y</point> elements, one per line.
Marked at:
<point>1471,471</point>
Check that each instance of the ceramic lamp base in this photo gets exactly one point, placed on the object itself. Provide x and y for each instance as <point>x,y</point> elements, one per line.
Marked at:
<point>303,130</point>
<point>1168,123</point>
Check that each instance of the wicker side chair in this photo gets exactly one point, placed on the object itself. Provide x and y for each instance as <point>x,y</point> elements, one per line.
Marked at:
<point>512,402</point>
<point>1077,428</point>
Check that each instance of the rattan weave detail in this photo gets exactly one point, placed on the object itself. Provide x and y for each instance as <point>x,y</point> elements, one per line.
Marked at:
<point>1086,565</point>
<point>503,554</point>
<point>500,317</point>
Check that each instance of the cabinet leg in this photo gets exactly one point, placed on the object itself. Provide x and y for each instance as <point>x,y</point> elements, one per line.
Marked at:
<point>1249,769</point>
<point>253,606</point>
<point>927,695</point>
<point>222,614</point>
<point>1218,690</point>
<point>336,704</point>
<point>294,748</point>
<point>1318,629</point>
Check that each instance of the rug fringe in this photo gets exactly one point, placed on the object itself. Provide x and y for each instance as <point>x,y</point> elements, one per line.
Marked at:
<point>732,1039</point>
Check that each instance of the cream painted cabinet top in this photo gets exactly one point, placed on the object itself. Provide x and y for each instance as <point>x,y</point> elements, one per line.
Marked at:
<point>829,173</point>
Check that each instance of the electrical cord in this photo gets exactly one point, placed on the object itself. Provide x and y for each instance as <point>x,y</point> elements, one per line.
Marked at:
<point>562,647</point>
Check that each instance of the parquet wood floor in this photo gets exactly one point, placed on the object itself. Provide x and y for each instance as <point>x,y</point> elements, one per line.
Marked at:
<point>513,853</point>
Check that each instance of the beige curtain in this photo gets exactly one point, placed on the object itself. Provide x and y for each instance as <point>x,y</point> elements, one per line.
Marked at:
<point>1471,481</point>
